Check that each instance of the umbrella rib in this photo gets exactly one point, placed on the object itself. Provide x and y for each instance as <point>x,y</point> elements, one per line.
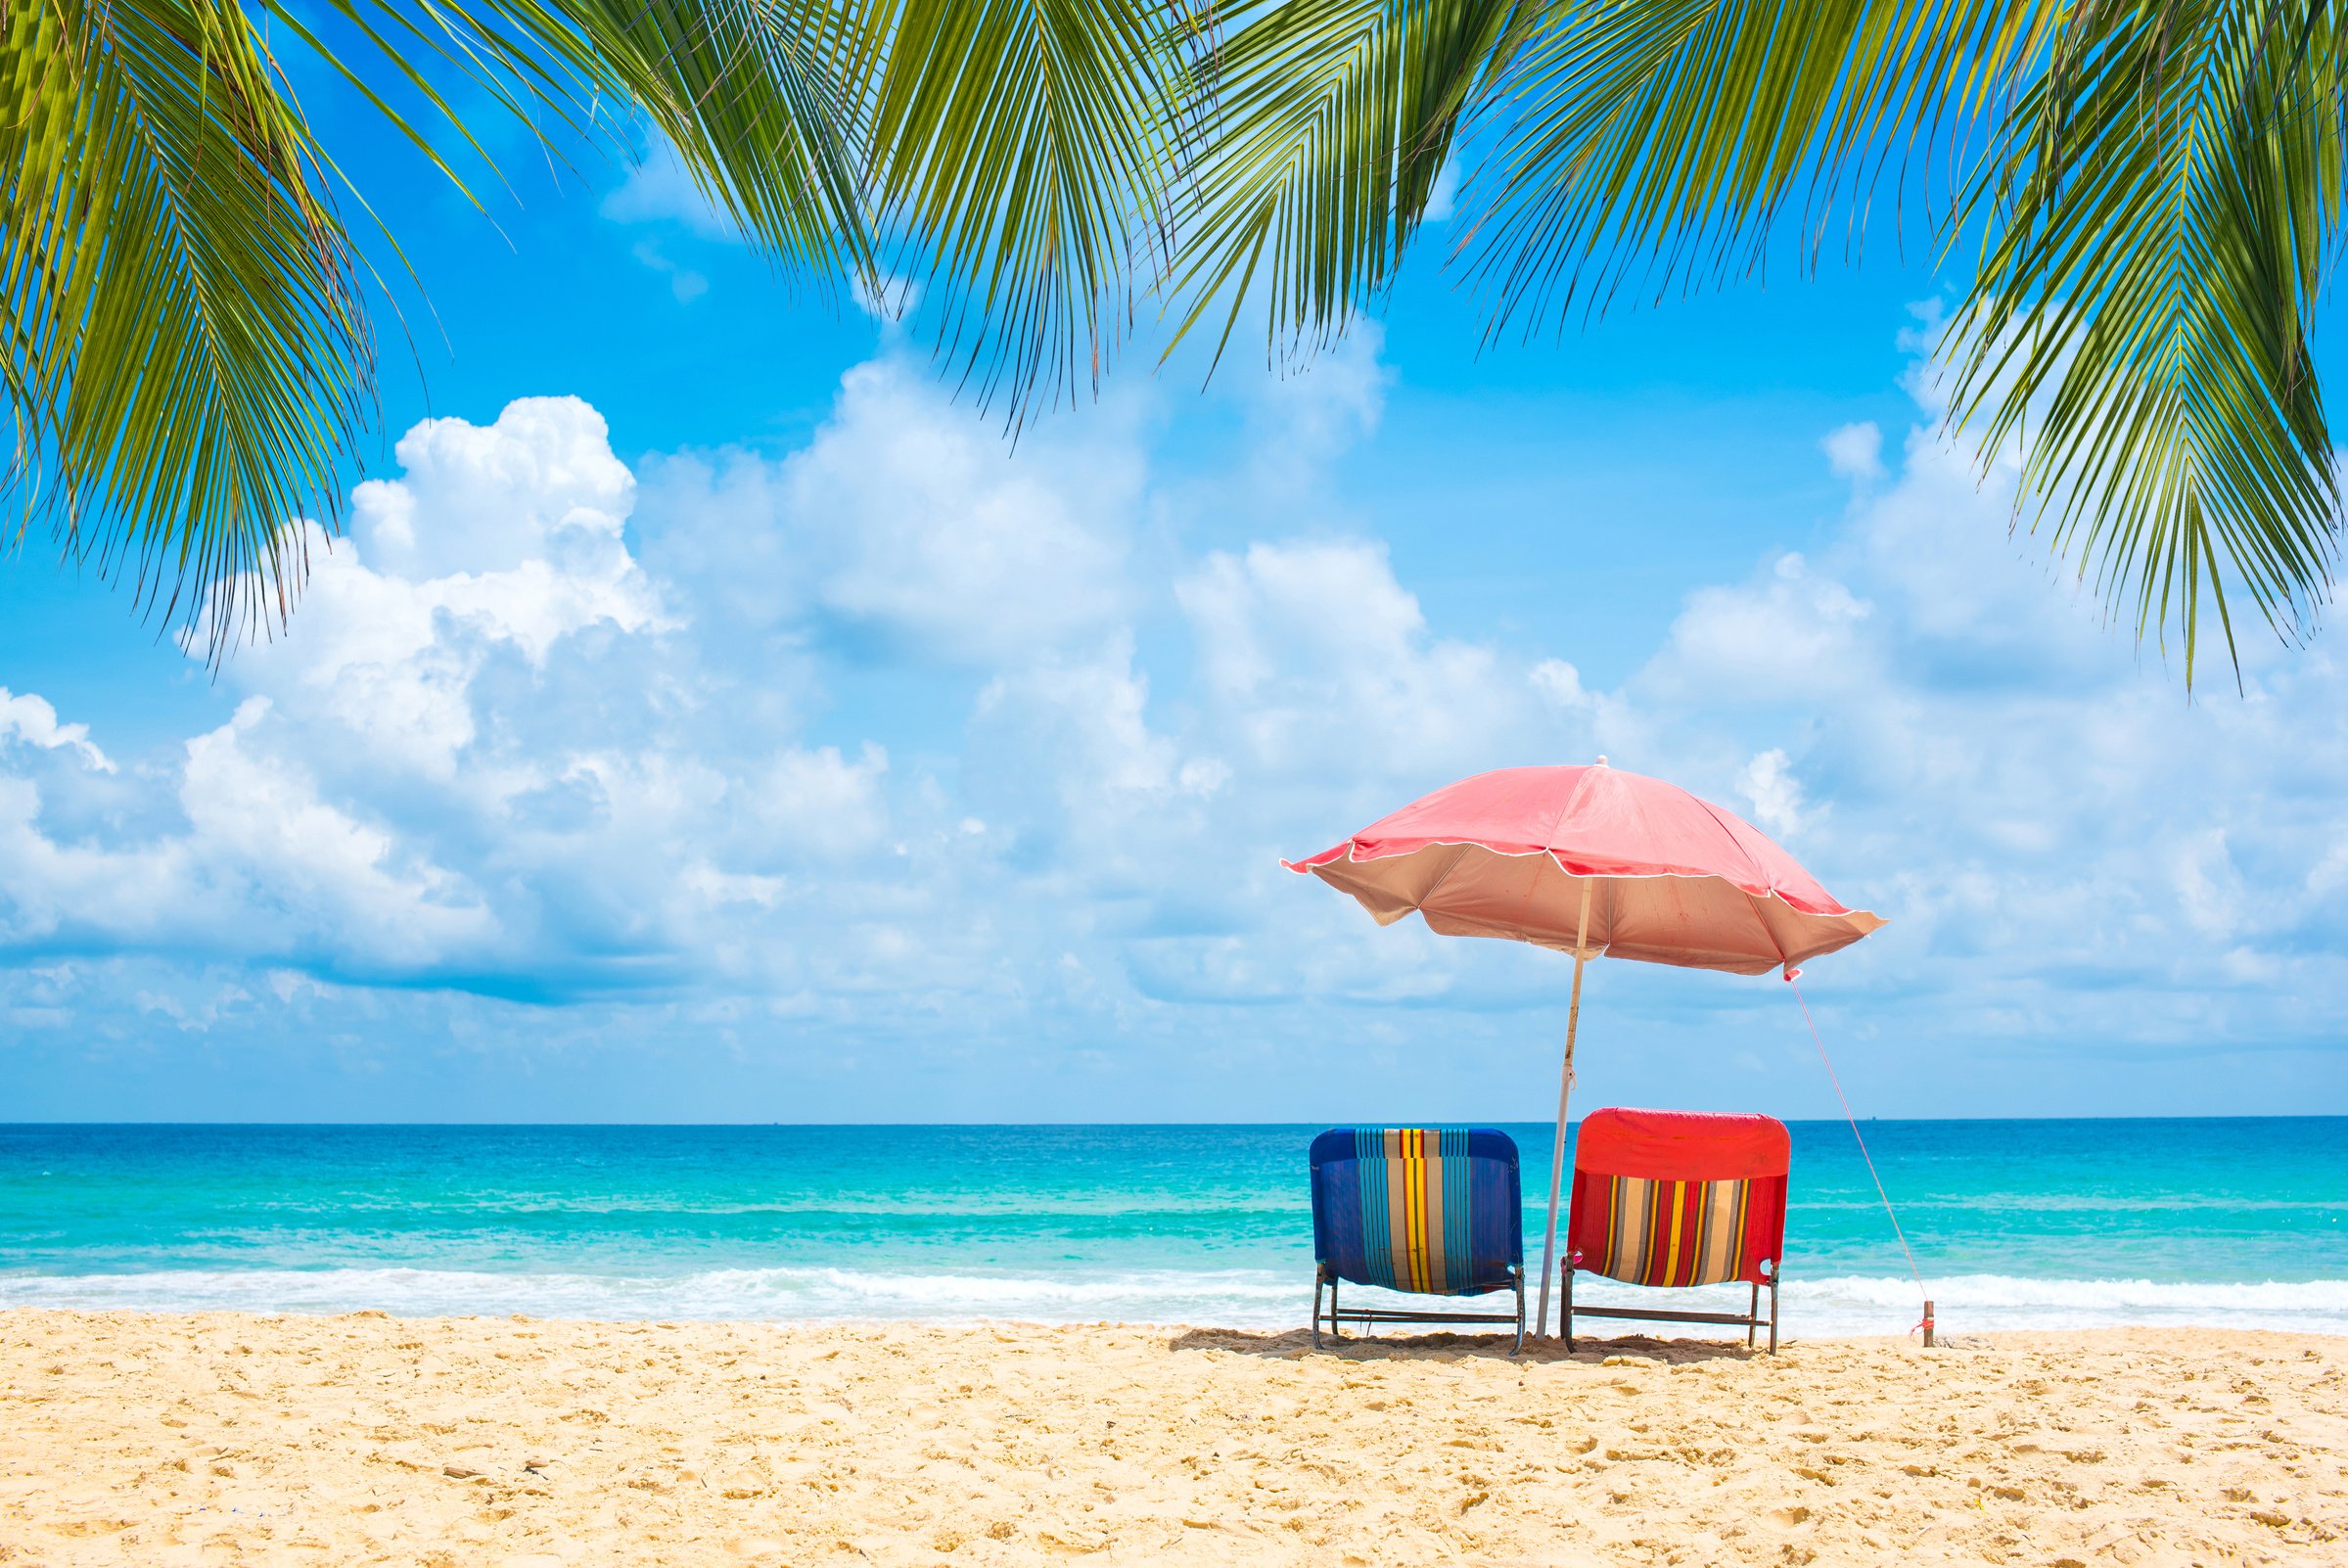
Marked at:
<point>1573,798</point>
<point>1458,854</point>
<point>1720,820</point>
<point>1753,906</point>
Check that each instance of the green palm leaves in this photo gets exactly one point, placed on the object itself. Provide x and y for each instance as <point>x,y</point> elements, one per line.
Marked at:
<point>185,355</point>
<point>188,357</point>
<point>2150,187</point>
<point>2157,210</point>
<point>1321,128</point>
<point>1020,149</point>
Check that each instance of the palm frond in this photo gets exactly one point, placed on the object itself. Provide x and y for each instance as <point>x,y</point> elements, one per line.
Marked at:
<point>754,95</point>
<point>1673,138</point>
<point>1020,151</point>
<point>2154,183</point>
<point>187,355</point>
<point>2158,216</point>
<point>186,358</point>
<point>1321,128</point>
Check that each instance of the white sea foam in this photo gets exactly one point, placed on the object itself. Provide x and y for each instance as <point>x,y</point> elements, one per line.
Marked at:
<point>2009,1301</point>
<point>1236,1297</point>
<point>1232,1298</point>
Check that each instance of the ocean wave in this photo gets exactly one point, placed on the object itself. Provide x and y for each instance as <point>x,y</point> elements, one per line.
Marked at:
<point>1236,1298</point>
<point>2273,1303</point>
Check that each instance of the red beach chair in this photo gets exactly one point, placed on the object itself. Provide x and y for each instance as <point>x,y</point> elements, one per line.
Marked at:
<point>1678,1198</point>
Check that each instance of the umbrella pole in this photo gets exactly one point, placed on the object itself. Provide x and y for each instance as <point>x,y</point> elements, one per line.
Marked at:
<point>1565,1091</point>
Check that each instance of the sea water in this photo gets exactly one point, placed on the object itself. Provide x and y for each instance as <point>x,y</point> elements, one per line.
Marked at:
<point>2020,1224</point>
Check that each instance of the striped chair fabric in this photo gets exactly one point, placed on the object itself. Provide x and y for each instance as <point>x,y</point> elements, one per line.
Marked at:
<point>1433,1209</point>
<point>1677,1197</point>
<point>1669,1232</point>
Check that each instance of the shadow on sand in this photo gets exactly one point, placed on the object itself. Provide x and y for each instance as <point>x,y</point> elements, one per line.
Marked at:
<point>1297,1342</point>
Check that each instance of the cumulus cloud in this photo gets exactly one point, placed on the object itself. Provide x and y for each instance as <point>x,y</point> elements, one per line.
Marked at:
<point>481,755</point>
<point>538,736</point>
<point>1320,659</point>
<point>30,720</point>
<point>1768,786</point>
<point>56,890</point>
<point>910,523</point>
<point>336,884</point>
<point>506,536</point>
<point>1855,451</point>
<point>1791,635</point>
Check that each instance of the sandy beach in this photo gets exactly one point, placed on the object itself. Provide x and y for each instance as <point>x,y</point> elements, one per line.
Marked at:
<point>224,1438</point>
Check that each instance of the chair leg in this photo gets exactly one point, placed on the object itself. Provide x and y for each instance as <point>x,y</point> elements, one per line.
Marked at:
<point>1753,1315</point>
<point>1773,1311</point>
<point>1565,1306</point>
<point>1520,1313</point>
<point>1317,1282</point>
<point>1334,1332</point>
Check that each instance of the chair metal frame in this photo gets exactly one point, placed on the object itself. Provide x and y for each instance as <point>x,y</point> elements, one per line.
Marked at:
<point>1751,1322</point>
<point>1370,1316</point>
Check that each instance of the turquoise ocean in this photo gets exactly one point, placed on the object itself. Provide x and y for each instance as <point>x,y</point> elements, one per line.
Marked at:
<point>2017,1223</point>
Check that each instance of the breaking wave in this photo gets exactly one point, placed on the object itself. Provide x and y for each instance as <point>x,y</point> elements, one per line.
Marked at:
<point>1237,1298</point>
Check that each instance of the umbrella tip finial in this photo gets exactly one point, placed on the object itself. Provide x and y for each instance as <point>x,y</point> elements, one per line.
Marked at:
<point>1601,759</point>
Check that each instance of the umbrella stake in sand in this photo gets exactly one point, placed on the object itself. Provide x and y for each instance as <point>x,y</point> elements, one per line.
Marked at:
<point>1512,854</point>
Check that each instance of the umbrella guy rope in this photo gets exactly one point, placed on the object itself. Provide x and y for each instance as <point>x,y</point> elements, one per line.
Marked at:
<point>1793,978</point>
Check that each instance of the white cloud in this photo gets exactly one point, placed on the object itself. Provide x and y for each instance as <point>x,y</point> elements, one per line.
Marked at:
<point>1064,755</point>
<point>538,489</point>
<point>1560,683</point>
<point>32,721</point>
<point>1301,419</point>
<point>341,885</point>
<point>888,300</point>
<point>685,283</point>
<point>659,189</point>
<point>50,887</point>
<point>1445,193</point>
<point>820,805</point>
<point>1791,634</point>
<point>911,734</point>
<point>1319,660</point>
<point>508,535</point>
<point>911,521</point>
<point>1855,451</point>
<point>1768,785</point>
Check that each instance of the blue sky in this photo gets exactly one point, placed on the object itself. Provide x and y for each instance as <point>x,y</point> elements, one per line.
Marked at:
<point>706,717</point>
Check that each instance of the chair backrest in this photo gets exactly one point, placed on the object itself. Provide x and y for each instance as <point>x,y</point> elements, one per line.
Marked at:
<point>1677,1197</point>
<point>1436,1210</point>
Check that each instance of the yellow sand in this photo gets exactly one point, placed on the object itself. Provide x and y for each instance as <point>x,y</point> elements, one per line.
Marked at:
<point>224,1438</point>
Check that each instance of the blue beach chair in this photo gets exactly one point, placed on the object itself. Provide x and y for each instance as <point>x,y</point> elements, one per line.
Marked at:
<point>1432,1211</point>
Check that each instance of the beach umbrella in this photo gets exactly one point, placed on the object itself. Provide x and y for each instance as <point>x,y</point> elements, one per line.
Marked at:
<point>1596,862</point>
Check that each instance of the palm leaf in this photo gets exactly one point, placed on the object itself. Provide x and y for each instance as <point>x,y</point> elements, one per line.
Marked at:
<point>185,353</point>
<point>2154,185</point>
<point>187,357</point>
<point>1680,137</point>
<point>2159,213</point>
<point>1020,151</point>
<point>752,95</point>
<point>1323,127</point>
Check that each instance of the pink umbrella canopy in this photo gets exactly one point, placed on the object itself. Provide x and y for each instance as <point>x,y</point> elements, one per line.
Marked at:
<point>1670,879</point>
